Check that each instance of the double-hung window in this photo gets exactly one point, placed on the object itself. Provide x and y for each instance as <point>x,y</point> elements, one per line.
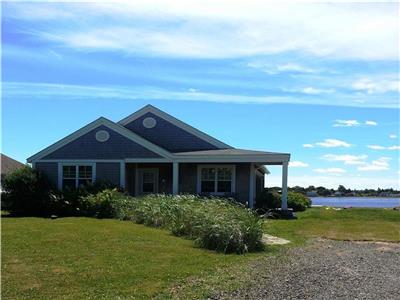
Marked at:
<point>216,179</point>
<point>74,176</point>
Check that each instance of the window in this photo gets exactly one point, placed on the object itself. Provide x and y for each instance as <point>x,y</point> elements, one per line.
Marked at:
<point>74,176</point>
<point>84,175</point>
<point>148,182</point>
<point>216,179</point>
<point>69,177</point>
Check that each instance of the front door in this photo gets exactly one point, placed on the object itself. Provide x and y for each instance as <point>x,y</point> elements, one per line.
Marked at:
<point>147,182</point>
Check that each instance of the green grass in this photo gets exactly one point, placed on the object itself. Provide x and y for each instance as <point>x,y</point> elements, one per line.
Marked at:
<point>74,258</point>
<point>89,258</point>
<point>361,224</point>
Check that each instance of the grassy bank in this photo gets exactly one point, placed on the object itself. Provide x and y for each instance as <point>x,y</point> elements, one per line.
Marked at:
<point>89,258</point>
<point>75,258</point>
<point>360,224</point>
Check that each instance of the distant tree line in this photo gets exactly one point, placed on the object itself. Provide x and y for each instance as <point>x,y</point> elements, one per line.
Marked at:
<point>340,191</point>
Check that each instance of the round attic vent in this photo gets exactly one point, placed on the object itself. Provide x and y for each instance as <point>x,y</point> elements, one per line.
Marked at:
<point>102,136</point>
<point>149,122</point>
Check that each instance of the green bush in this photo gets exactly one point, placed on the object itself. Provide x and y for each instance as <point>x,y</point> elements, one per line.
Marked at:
<point>213,223</point>
<point>27,193</point>
<point>107,204</point>
<point>298,201</point>
<point>69,201</point>
<point>269,200</point>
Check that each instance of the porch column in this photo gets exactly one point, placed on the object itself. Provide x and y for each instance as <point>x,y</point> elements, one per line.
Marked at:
<point>122,174</point>
<point>251,186</point>
<point>284,185</point>
<point>175,178</point>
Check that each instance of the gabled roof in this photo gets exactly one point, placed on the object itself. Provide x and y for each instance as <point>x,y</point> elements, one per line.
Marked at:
<point>151,109</point>
<point>113,126</point>
<point>9,164</point>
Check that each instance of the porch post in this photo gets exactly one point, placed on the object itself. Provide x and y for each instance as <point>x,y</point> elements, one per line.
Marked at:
<point>175,178</point>
<point>251,186</point>
<point>122,174</point>
<point>284,185</point>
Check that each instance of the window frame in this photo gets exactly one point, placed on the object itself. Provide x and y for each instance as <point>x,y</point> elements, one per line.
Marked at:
<point>76,165</point>
<point>216,167</point>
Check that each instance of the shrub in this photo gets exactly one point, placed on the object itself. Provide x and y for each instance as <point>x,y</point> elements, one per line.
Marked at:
<point>107,204</point>
<point>269,200</point>
<point>27,192</point>
<point>298,201</point>
<point>69,201</point>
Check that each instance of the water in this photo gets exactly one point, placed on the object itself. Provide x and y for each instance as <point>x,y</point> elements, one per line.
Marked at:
<point>356,201</point>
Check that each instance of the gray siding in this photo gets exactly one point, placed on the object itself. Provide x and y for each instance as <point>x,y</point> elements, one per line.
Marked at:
<point>242,182</point>
<point>188,178</point>
<point>87,147</point>
<point>168,136</point>
<point>109,172</point>
<point>50,170</point>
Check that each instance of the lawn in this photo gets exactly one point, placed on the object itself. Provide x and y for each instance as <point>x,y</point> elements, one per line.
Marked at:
<point>361,224</point>
<point>74,258</point>
<point>90,258</point>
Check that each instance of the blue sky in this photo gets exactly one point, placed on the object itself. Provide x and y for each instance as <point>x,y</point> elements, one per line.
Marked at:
<point>320,81</point>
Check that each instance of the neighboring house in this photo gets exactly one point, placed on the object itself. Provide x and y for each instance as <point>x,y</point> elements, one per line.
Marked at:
<point>152,152</point>
<point>8,165</point>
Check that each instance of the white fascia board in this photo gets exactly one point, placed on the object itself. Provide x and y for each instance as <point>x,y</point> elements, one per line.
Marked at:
<point>148,160</point>
<point>93,125</point>
<point>79,160</point>
<point>263,159</point>
<point>174,121</point>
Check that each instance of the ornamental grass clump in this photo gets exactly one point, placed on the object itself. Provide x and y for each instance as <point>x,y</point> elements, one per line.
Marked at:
<point>212,223</point>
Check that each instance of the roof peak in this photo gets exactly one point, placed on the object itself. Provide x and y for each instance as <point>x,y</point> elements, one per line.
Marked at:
<point>186,127</point>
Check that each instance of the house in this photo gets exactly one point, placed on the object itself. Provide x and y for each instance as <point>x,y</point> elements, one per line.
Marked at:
<point>150,151</point>
<point>8,165</point>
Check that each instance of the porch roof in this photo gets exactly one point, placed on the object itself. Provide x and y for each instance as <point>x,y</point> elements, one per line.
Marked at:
<point>233,155</point>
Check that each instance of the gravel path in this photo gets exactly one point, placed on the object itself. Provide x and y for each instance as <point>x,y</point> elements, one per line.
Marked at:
<point>327,270</point>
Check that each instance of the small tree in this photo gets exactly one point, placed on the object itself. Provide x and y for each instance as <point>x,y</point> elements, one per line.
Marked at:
<point>26,192</point>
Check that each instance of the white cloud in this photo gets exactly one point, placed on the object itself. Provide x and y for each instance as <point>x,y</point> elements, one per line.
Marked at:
<point>298,164</point>
<point>393,136</point>
<point>376,86</point>
<point>347,159</point>
<point>273,69</point>
<point>333,171</point>
<point>290,67</point>
<point>376,147</point>
<point>333,143</point>
<point>315,91</point>
<point>308,146</point>
<point>381,164</point>
<point>379,147</point>
<point>353,123</point>
<point>371,123</point>
<point>221,28</point>
<point>346,123</point>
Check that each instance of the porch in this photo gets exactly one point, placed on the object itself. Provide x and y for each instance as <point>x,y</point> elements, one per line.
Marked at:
<point>240,180</point>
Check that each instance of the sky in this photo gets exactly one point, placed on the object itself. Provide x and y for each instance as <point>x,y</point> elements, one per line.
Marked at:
<point>317,80</point>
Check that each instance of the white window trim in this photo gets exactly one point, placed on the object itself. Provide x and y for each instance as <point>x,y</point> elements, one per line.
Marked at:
<point>233,181</point>
<point>76,165</point>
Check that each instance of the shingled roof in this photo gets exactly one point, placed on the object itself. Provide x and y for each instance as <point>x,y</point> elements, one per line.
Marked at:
<point>8,164</point>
